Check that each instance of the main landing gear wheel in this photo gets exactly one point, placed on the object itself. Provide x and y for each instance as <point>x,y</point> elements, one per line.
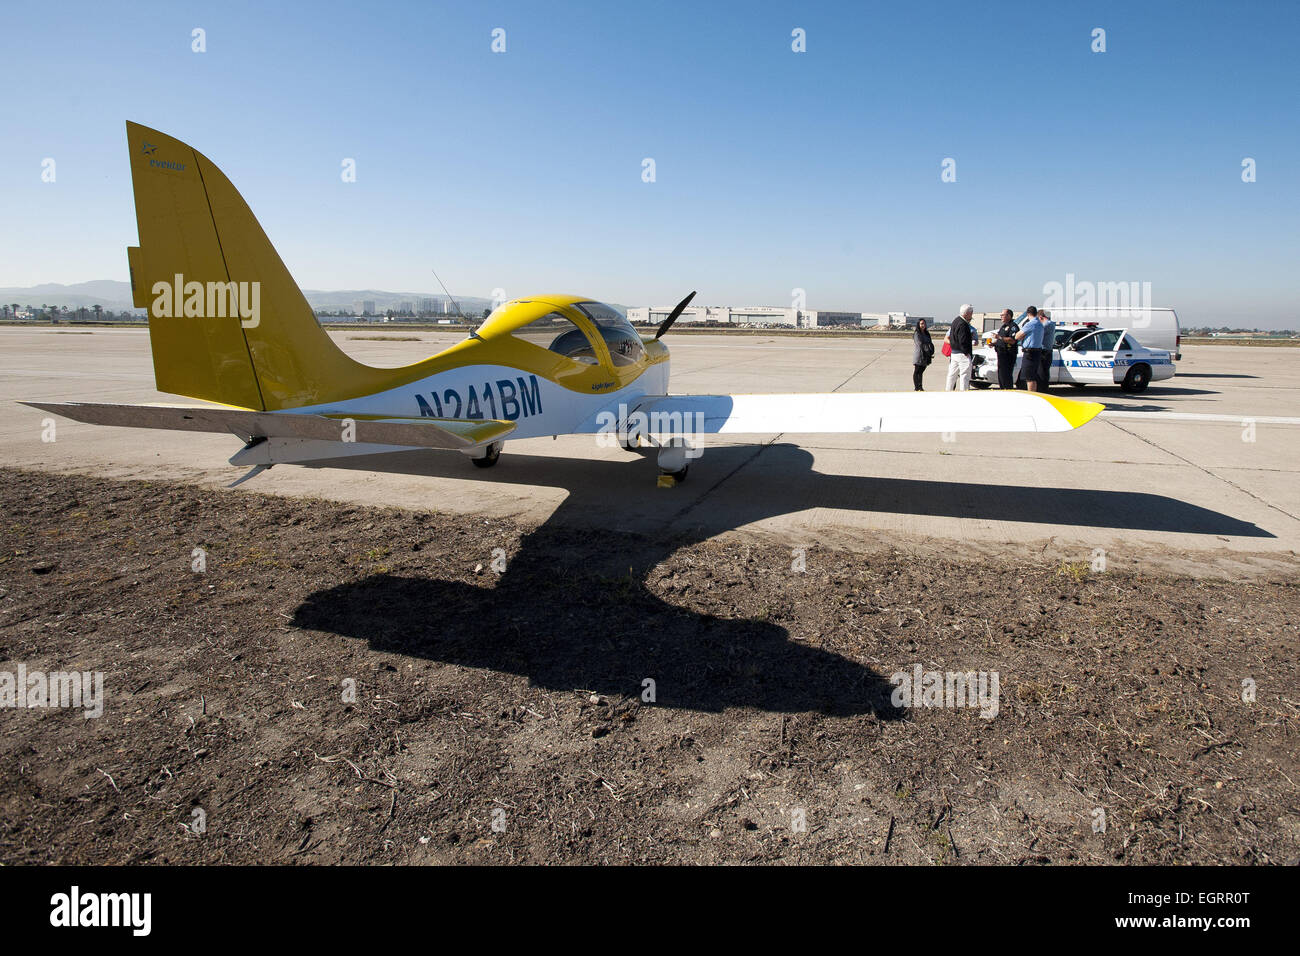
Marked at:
<point>1137,379</point>
<point>492,454</point>
<point>677,476</point>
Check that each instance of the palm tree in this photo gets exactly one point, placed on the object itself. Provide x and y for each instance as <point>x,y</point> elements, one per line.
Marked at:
<point>99,312</point>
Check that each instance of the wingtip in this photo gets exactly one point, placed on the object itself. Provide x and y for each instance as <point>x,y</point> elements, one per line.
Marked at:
<point>1075,412</point>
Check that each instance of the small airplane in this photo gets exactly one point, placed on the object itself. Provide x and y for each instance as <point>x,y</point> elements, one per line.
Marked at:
<point>228,325</point>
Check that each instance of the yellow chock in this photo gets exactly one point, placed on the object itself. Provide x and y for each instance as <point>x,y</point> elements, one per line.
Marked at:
<point>667,481</point>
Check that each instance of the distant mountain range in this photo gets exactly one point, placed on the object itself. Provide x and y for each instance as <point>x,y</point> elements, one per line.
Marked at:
<point>109,293</point>
<point>116,296</point>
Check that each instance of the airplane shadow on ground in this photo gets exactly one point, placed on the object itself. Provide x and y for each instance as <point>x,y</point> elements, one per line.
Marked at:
<point>572,610</point>
<point>1156,390</point>
<point>566,628</point>
<point>1126,407</point>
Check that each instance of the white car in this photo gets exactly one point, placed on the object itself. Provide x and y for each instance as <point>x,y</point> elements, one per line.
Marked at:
<point>1086,355</point>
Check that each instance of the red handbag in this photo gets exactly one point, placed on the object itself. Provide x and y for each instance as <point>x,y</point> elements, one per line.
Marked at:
<point>947,350</point>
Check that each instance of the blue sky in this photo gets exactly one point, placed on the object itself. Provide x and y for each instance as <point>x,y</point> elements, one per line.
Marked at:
<point>774,169</point>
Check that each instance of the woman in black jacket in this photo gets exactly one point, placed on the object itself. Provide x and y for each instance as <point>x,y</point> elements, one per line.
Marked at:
<point>922,353</point>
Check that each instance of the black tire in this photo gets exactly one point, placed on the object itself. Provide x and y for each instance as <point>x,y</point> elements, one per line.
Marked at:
<point>1137,379</point>
<point>488,460</point>
<point>981,384</point>
<point>678,476</point>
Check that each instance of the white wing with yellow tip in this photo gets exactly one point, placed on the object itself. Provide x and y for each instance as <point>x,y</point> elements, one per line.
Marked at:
<point>872,412</point>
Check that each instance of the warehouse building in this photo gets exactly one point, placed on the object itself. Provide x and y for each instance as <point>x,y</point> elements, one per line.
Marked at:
<point>822,319</point>
<point>720,315</point>
<point>773,316</point>
<point>894,320</point>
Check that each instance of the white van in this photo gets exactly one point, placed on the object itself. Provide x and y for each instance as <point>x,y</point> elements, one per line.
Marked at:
<point>1152,328</point>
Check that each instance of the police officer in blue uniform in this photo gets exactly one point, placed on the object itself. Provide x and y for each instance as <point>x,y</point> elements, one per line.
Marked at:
<point>1045,360</point>
<point>1006,345</point>
<point>1030,338</point>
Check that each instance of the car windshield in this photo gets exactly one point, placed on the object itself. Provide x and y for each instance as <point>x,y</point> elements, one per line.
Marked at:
<point>624,343</point>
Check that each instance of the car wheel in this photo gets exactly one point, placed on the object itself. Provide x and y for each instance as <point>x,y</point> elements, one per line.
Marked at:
<point>1137,379</point>
<point>976,384</point>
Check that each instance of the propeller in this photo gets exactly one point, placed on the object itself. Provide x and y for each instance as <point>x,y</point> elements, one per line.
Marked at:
<point>672,316</point>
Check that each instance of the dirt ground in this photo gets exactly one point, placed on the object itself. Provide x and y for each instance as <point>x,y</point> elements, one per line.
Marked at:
<point>500,710</point>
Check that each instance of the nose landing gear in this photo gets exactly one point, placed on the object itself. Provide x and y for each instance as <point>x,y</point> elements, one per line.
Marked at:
<point>673,461</point>
<point>488,455</point>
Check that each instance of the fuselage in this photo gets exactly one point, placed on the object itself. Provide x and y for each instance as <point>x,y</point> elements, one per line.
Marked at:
<point>550,364</point>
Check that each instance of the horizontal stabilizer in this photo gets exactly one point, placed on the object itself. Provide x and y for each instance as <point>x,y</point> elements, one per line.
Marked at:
<point>369,429</point>
<point>883,412</point>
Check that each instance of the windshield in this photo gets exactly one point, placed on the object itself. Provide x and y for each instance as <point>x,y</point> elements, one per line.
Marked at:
<point>624,343</point>
<point>555,332</point>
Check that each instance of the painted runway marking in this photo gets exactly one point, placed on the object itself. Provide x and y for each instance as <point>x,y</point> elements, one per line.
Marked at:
<point>786,348</point>
<point>1198,417</point>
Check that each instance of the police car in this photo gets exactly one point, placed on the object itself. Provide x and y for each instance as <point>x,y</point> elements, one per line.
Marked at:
<point>1084,354</point>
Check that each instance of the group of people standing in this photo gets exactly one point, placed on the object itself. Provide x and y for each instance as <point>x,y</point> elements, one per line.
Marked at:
<point>1034,331</point>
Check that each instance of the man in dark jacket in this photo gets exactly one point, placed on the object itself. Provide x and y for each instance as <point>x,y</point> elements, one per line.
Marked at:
<point>960,340</point>
<point>1006,346</point>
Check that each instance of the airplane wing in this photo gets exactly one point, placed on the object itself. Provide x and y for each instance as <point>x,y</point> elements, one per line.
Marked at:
<point>248,424</point>
<point>884,412</point>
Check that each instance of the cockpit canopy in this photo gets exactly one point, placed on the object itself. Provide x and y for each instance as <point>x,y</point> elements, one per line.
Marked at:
<point>557,332</point>
<point>624,343</point>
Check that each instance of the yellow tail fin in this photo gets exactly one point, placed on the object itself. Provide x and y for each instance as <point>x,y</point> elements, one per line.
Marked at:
<point>227,323</point>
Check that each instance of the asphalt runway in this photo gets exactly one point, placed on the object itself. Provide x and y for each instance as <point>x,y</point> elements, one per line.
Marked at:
<point>1197,475</point>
